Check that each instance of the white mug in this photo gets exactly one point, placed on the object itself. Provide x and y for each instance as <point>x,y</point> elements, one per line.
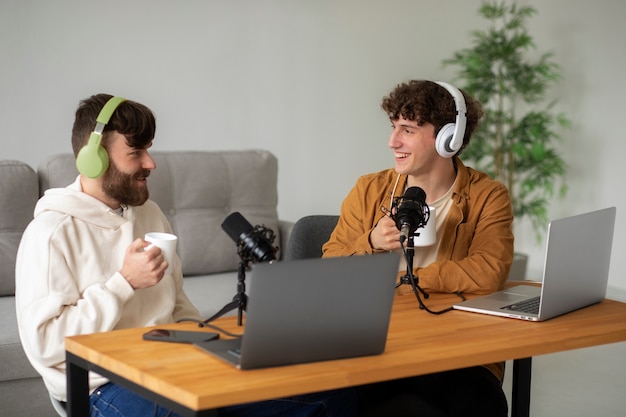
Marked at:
<point>167,243</point>
<point>427,235</point>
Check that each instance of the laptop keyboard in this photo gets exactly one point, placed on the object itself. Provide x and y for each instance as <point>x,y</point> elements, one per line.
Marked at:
<point>530,306</point>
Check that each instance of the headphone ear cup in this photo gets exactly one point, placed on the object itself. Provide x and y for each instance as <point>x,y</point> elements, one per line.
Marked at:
<point>92,160</point>
<point>444,143</point>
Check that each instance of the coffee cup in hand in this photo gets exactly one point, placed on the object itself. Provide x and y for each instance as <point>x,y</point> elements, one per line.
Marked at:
<point>167,243</point>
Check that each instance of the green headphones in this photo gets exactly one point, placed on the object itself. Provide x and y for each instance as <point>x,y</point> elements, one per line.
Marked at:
<point>93,160</point>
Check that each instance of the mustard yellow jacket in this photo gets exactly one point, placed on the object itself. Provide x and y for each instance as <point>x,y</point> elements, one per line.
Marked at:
<point>476,250</point>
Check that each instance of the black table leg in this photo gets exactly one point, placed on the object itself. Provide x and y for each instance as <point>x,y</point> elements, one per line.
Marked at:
<point>77,386</point>
<point>522,370</point>
<point>78,389</point>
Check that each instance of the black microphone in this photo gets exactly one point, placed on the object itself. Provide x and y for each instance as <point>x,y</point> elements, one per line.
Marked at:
<point>412,212</point>
<point>254,243</point>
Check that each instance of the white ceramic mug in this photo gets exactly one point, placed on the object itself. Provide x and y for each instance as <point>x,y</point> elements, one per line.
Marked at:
<point>427,235</point>
<point>167,243</point>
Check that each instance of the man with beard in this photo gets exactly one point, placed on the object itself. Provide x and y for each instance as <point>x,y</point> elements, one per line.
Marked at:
<point>83,266</point>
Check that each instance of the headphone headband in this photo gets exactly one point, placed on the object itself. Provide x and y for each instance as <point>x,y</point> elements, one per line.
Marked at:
<point>109,107</point>
<point>450,137</point>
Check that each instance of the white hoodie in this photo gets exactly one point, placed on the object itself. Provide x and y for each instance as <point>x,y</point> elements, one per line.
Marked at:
<point>67,280</point>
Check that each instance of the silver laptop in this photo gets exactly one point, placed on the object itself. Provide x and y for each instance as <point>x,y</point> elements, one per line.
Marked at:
<point>312,310</point>
<point>575,275</point>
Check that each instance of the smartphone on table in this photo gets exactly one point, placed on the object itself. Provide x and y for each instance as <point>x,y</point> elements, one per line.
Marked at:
<point>179,336</point>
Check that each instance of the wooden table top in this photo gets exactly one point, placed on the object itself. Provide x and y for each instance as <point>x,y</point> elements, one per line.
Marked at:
<point>418,343</point>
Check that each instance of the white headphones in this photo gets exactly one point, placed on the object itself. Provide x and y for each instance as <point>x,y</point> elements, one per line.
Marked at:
<point>450,137</point>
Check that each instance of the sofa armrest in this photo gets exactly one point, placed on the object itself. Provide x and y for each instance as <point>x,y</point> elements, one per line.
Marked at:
<point>18,195</point>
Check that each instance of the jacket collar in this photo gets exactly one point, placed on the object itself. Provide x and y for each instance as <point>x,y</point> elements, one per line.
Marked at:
<point>459,194</point>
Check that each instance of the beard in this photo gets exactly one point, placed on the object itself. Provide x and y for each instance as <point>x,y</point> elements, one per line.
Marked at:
<point>123,187</point>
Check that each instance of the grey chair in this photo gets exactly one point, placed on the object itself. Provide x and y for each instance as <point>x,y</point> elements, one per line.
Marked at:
<point>308,235</point>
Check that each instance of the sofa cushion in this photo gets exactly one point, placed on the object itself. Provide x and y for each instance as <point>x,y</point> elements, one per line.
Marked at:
<point>56,171</point>
<point>197,190</point>
<point>19,191</point>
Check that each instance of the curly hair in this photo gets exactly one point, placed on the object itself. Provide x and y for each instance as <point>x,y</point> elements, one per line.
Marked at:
<point>133,120</point>
<point>428,102</point>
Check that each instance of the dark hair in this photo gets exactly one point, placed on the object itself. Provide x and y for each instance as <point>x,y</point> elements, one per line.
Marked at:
<point>428,102</point>
<point>133,120</point>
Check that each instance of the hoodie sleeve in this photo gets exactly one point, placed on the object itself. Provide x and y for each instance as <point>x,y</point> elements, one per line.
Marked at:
<point>52,303</point>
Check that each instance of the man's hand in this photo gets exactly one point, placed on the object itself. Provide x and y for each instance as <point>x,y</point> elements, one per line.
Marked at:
<point>143,268</point>
<point>385,235</point>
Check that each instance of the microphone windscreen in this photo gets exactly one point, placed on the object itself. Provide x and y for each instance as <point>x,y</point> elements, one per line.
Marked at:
<point>236,226</point>
<point>415,193</point>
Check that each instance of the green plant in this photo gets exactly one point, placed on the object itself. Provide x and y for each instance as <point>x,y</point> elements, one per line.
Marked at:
<point>515,141</point>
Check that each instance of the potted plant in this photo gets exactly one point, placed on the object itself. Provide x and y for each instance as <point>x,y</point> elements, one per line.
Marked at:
<point>515,141</point>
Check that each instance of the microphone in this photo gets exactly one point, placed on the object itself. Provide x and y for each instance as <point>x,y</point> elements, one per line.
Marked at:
<point>411,212</point>
<point>254,243</point>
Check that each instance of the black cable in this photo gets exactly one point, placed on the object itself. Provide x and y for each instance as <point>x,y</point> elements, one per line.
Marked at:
<point>202,323</point>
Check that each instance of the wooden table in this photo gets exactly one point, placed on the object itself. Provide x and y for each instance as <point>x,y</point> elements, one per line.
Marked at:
<point>191,382</point>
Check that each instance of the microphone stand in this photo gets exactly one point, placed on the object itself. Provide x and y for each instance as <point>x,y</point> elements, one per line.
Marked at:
<point>409,278</point>
<point>252,246</point>
<point>240,300</point>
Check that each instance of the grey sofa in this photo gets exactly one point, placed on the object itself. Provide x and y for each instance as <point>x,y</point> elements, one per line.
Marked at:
<point>196,191</point>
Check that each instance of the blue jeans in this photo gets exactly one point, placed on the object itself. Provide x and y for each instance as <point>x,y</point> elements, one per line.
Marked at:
<point>111,400</point>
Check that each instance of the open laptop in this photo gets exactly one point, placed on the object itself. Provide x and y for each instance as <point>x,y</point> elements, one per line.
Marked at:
<point>311,310</point>
<point>575,275</point>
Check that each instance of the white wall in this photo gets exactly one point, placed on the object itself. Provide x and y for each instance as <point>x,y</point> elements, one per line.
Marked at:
<point>303,79</point>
